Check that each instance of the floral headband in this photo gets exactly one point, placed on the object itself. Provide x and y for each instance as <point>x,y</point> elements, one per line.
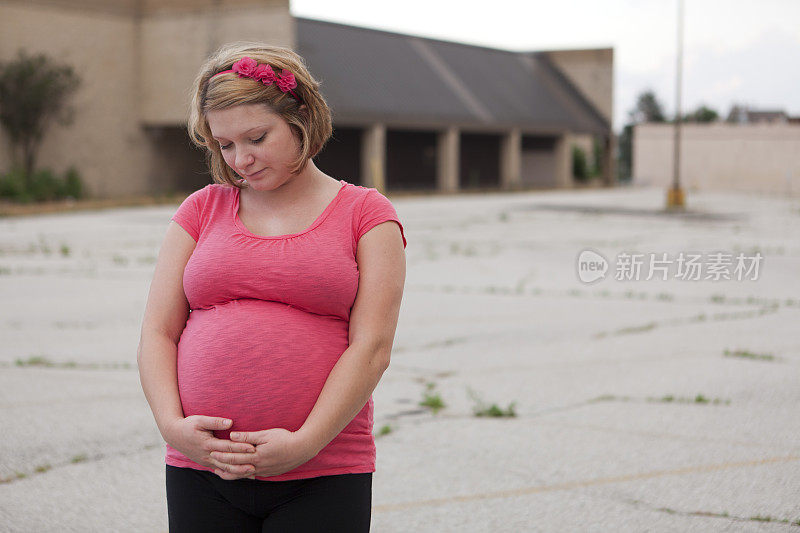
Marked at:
<point>249,68</point>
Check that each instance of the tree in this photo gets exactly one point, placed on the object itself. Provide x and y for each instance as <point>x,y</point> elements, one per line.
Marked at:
<point>702,114</point>
<point>33,92</point>
<point>648,109</point>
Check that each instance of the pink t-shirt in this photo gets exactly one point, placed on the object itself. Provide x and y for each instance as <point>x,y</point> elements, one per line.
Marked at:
<point>269,319</point>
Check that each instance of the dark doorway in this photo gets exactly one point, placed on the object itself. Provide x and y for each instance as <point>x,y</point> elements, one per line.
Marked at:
<point>410,160</point>
<point>341,156</point>
<point>479,160</point>
<point>178,164</point>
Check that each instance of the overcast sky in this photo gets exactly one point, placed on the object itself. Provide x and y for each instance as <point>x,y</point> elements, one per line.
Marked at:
<point>735,51</point>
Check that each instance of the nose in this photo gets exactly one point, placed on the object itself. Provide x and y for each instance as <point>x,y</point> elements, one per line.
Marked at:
<point>243,159</point>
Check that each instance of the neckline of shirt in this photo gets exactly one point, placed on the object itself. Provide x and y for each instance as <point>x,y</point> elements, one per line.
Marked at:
<point>243,229</point>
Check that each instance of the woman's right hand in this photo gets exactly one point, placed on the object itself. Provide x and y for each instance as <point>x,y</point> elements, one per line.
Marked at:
<point>193,436</point>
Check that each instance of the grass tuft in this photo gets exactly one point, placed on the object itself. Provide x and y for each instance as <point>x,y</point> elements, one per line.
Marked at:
<point>636,329</point>
<point>34,360</point>
<point>432,400</point>
<point>483,409</point>
<point>700,398</point>
<point>746,354</point>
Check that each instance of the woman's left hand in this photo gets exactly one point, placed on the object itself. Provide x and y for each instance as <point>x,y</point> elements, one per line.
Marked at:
<point>278,450</point>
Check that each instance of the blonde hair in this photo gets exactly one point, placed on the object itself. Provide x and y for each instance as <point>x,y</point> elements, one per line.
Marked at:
<point>312,124</point>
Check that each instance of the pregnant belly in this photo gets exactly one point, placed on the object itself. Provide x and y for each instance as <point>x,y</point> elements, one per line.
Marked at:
<point>262,364</point>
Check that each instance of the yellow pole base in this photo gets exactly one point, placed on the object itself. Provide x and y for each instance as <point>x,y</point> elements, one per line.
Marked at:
<point>675,198</point>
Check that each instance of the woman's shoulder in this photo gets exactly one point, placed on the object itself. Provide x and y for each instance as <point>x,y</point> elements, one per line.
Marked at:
<point>362,194</point>
<point>369,208</point>
<point>218,188</point>
<point>210,198</point>
<point>214,193</point>
<point>211,189</point>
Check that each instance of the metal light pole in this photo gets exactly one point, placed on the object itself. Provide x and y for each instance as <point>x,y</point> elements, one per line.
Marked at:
<point>675,196</point>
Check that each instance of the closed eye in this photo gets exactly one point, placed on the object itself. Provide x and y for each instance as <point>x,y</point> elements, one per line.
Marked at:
<point>254,141</point>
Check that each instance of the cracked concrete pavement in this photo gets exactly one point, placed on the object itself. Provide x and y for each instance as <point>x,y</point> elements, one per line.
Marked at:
<point>610,434</point>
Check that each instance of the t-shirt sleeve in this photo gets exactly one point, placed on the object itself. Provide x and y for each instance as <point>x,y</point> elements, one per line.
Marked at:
<point>376,209</point>
<point>189,213</point>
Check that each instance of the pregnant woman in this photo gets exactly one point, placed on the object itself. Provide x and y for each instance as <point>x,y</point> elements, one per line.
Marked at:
<point>271,313</point>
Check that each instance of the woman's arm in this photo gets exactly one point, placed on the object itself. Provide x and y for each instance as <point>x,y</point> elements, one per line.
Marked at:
<point>164,320</point>
<point>373,320</point>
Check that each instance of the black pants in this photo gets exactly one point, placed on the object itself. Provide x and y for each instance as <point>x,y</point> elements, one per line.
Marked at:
<point>199,501</point>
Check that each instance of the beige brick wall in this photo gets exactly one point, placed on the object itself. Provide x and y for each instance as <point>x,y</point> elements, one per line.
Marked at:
<point>173,46</point>
<point>105,141</point>
<point>137,61</point>
<point>744,157</point>
<point>592,72</point>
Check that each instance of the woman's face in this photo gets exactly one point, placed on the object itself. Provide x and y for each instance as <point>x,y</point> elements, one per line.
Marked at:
<point>256,143</point>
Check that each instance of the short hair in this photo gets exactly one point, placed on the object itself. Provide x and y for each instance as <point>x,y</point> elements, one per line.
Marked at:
<point>312,125</point>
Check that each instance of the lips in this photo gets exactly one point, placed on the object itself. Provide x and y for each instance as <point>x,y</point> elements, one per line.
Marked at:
<point>248,176</point>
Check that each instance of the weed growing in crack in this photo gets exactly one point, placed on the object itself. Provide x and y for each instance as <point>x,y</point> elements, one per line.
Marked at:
<point>483,409</point>
<point>701,399</point>
<point>749,355</point>
<point>636,329</point>
<point>43,247</point>
<point>41,360</point>
<point>608,398</point>
<point>761,518</point>
<point>34,360</point>
<point>432,400</point>
<point>669,398</point>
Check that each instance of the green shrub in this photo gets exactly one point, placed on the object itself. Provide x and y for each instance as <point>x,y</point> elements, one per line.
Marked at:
<point>580,169</point>
<point>44,185</point>
<point>597,157</point>
<point>12,185</point>
<point>73,185</point>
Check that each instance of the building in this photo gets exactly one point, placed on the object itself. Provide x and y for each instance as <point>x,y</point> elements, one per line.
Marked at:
<point>745,115</point>
<point>410,113</point>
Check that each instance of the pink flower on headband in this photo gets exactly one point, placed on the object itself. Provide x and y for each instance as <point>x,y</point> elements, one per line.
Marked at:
<point>265,74</point>
<point>245,67</point>
<point>248,67</point>
<point>286,81</point>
